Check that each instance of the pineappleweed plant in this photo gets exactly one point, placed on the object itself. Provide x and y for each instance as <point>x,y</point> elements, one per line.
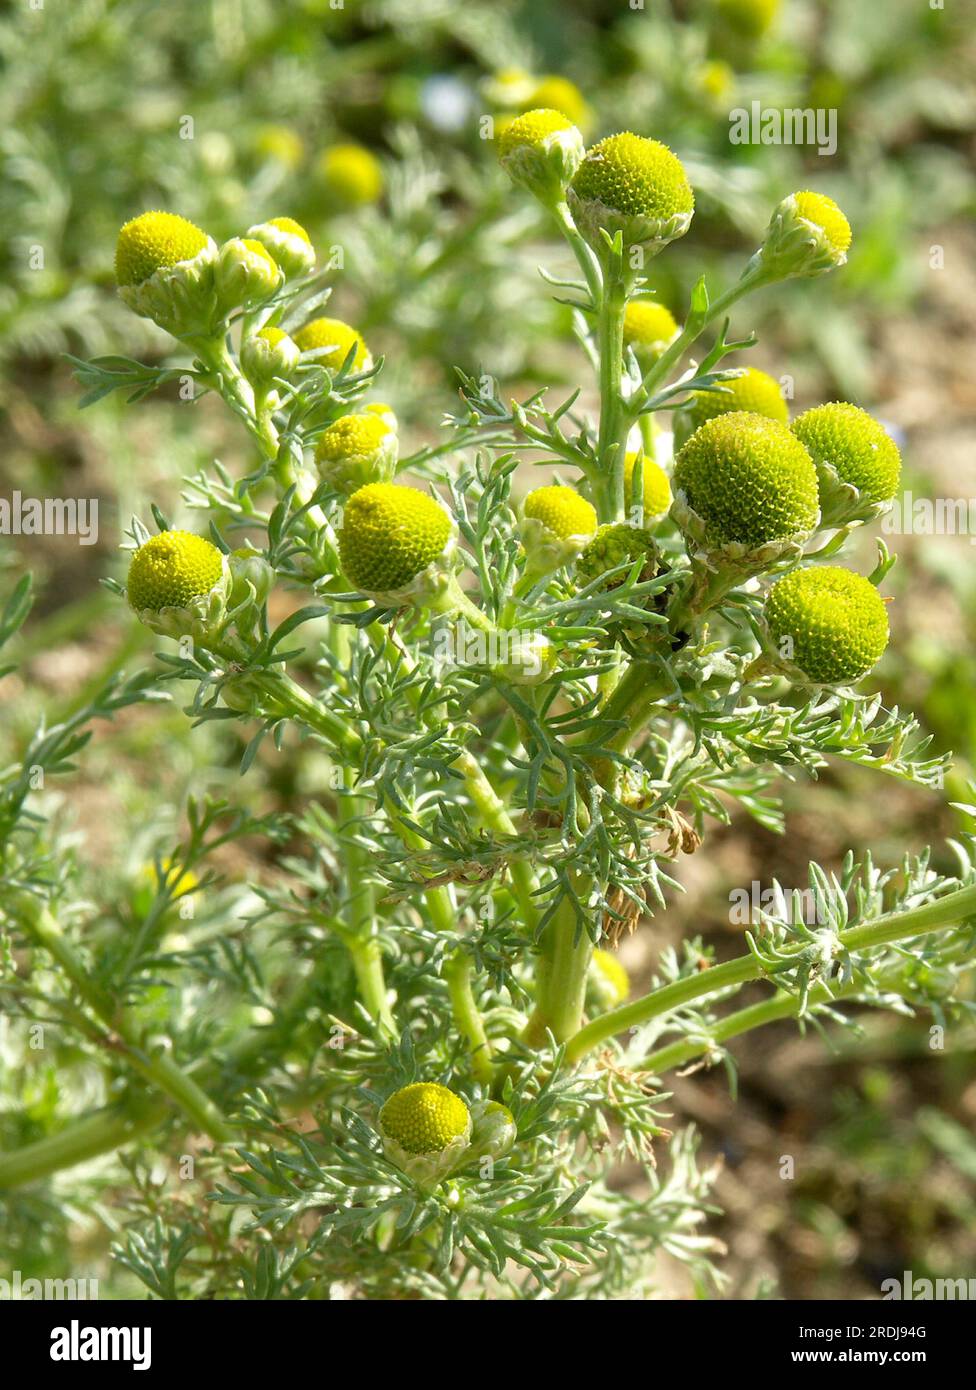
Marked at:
<point>529,711</point>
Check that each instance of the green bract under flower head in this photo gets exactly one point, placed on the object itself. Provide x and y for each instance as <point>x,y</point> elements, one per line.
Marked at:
<point>154,240</point>
<point>541,150</point>
<point>267,354</point>
<point>615,544</point>
<point>851,451</point>
<point>287,242</point>
<point>633,185</point>
<point>828,625</point>
<point>246,273</point>
<point>749,481</point>
<point>171,570</point>
<point>753,390</point>
<point>391,535</point>
<point>338,337</point>
<point>350,174</point>
<point>657,487</point>
<point>648,329</point>
<point>356,450</point>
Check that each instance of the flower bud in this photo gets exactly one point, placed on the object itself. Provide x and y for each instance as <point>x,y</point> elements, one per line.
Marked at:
<point>164,268</point>
<point>396,543</point>
<point>338,338</point>
<point>268,354</point>
<point>615,544</point>
<point>426,1130</point>
<point>541,150</point>
<point>656,486</point>
<point>826,626</point>
<point>556,524</point>
<point>251,577</point>
<point>858,463</point>
<point>350,175</point>
<point>648,329</point>
<point>745,491</point>
<point>807,235</point>
<point>358,449</point>
<point>493,1131</point>
<point>178,584</point>
<point>246,273</point>
<point>529,658</point>
<point>636,186</point>
<point>288,243</point>
<point>751,390</point>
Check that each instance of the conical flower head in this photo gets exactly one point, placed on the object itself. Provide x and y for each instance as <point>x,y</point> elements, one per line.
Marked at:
<point>857,461</point>
<point>178,583</point>
<point>164,267</point>
<point>648,329</point>
<point>827,625</point>
<point>745,482</point>
<point>154,241</point>
<point>616,544</point>
<point>807,235</point>
<point>633,185</point>
<point>555,525</point>
<point>288,244</point>
<point>656,485</point>
<point>395,542</point>
<point>751,390</point>
<point>426,1130</point>
<point>541,150</point>
<point>356,450</point>
<point>333,340</point>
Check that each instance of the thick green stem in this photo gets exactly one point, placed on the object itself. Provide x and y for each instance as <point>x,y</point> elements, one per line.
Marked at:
<point>467,1015</point>
<point>564,959</point>
<point>96,1134</point>
<point>895,926</point>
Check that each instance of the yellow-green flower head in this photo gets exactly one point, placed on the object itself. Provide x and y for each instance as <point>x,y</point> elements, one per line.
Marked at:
<point>338,338</point>
<point>281,145</point>
<point>747,480</point>
<point>751,390</point>
<point>633,185</point>
<point>851,451</point>
<point>356,450</point>
<point>153,241</point>
<point>828,625</point>
<point>351,175</point>
<point>657,487</point>
<point>426,1129</point>
<point>287,242</point>
<point>172,569</point>
<point>394,541</point>
<point>268,354</point>
<point>715,80</point>
<point>807,235</point>
<point>177,583</point>
<point>615,544</point>
<point>541,150</point>
<point>555,525</point>
<point>246,273</point>
<point>610,978</point>
<point>648,329</point>
<point>750,18</point>
<point>164,267</point>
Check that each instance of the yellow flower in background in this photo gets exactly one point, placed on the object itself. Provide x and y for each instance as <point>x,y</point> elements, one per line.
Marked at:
<point>281,145</point>
<point>351,175</point>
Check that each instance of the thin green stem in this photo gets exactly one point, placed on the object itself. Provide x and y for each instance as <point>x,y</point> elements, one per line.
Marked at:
<point>894,926</point>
